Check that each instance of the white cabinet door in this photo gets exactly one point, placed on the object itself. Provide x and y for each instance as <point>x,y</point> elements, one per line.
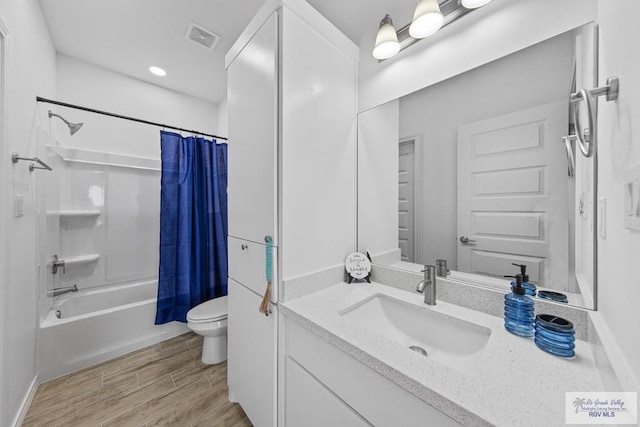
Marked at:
<point>252,99</point>
<point>309,403</point>
<point>247,266</point>
<point>251,362</point>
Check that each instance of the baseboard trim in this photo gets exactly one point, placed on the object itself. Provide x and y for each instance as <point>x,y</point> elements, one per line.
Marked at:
<point>26,402</point>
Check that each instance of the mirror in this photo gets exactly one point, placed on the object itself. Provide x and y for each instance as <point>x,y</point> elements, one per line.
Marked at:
<point>475,170</point>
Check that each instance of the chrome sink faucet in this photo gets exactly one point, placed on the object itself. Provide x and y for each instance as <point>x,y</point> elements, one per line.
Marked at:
<point>428,285</point>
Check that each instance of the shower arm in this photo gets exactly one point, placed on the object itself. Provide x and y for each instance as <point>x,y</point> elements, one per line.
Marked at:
<point>52,114</point>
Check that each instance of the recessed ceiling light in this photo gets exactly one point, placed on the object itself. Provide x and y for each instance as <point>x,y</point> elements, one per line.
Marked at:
<point>158,71</point>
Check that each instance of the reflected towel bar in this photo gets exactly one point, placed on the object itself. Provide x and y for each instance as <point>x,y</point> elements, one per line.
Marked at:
<point>15,157</point>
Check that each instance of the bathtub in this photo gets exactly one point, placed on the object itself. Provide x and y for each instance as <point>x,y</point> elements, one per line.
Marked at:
<point>91,326</point>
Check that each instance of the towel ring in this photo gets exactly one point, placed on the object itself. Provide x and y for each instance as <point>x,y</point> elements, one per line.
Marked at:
<point>587,139</point>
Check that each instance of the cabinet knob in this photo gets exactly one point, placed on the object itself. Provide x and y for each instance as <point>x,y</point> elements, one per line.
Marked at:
<point>244,247</point>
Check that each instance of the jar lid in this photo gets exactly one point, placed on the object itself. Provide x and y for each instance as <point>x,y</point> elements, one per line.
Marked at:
<point>554,323</point>
<point>553,296</point>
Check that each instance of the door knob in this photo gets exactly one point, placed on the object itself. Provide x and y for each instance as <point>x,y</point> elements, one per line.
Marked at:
<point>464,240</point>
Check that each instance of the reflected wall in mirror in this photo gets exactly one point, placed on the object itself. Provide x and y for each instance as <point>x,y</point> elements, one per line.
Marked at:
<point>474,170</point>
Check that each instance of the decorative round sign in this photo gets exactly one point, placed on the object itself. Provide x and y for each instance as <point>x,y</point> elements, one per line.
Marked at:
<point>358,266</point>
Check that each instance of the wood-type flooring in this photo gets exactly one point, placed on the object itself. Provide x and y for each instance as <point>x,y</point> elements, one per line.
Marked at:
<point>162,385</point>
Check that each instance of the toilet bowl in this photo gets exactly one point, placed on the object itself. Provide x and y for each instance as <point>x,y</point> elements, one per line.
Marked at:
<point>209,319</point>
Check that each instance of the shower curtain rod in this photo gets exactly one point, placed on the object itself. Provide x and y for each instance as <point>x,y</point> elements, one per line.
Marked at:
<point>119,116</point>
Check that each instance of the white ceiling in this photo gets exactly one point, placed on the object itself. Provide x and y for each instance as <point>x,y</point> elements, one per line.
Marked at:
<point>129,36</point>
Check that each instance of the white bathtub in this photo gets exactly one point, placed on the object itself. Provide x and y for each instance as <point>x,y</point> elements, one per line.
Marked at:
<point>95,325</point>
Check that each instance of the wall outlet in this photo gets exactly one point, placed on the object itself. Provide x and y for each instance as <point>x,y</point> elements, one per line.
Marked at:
<point>602,218</point>
<point>18,205</point>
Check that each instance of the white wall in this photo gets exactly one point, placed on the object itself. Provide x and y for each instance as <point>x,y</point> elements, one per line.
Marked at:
<point>318,150</point>
<point>31,72</point>
<point>489,33</point>
<point>619,148</point>
<point>223,118</point>
<point>378,152</point>
<point>538,75</point>
<point>91,86</point>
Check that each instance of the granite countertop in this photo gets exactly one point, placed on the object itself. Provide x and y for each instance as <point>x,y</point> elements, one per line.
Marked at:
<point>513,383</point>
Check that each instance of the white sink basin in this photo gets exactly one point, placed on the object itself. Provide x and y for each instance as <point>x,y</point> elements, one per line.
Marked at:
<point>449,340</point>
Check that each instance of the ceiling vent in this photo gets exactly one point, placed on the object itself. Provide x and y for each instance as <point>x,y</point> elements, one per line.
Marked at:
<point>201,36</point>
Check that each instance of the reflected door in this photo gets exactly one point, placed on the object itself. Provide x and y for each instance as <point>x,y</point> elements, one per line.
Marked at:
<point>513,195</point>
<point>406,201</point>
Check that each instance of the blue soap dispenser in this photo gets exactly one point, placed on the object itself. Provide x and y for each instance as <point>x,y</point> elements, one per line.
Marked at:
<point>518,310</point>
<point>529,288</point>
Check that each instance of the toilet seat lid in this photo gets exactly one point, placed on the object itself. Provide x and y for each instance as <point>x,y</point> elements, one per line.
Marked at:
<point>214,309</point>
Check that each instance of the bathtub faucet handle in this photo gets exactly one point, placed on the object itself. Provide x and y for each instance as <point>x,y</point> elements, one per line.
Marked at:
<point>55,264</point>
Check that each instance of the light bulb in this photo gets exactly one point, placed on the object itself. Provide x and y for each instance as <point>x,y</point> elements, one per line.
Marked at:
<point>427,19</point>
<point>473,4</point>
<point>386,40</point>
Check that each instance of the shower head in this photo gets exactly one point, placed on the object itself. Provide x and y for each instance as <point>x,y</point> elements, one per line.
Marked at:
<point>73,127</point>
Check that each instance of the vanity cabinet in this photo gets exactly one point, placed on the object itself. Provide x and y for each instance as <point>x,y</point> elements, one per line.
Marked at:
<point>323,372</point>
<point>292,120</point>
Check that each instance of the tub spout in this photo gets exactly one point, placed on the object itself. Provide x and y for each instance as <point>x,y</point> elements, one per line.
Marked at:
<point>59,291</point>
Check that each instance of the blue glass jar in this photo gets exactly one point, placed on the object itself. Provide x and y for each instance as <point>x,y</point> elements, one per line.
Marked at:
<point>555,335</point>
<point>518,311</point>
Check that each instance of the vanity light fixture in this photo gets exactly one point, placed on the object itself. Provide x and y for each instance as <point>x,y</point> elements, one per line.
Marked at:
<point>473,4</point>
<point>386,40</point>
<point>157,71</point>
<point>429,16</point>
<point>427,19</point>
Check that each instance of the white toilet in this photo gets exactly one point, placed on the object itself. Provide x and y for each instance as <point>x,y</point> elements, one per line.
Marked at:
<point>209,319</point>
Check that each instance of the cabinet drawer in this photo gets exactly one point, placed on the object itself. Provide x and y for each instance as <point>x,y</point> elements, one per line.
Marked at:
<point>309,403</point>
<point>378,400</point>
<point>247,266</point>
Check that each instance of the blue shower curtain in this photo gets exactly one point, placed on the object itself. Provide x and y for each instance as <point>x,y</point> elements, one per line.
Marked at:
<point>193,225</point>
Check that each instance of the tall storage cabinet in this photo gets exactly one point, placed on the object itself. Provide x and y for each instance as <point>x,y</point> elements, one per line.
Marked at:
<point>253,111</point>
<point>292,80</point>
